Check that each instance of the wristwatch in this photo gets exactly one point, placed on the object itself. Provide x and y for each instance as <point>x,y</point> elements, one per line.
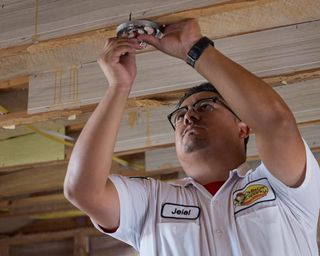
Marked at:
<point>197,49</point>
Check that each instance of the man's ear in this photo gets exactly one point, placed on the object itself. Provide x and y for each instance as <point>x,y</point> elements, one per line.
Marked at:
<point>244,130</point>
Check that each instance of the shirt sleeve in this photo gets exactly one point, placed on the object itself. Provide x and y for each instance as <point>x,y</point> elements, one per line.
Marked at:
<point>133,195</point>
<point>304,200</point>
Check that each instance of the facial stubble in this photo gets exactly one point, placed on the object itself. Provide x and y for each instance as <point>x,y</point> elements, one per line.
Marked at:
<point>193,143</point>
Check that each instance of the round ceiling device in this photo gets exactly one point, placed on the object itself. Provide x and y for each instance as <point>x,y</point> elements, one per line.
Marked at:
<point>134,28</point>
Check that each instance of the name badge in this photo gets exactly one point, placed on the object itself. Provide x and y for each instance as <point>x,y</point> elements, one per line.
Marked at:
<point>178,211</point>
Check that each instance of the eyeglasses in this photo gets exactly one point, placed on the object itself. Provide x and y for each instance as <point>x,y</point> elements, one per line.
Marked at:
<point>200,106</point>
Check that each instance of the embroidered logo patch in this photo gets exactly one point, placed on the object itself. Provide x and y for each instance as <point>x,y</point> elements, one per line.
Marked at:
<point>251,194</point>
<point>178,211</point>
<point>254,192</point>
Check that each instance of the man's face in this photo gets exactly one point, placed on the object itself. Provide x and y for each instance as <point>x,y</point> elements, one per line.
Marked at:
<point>207,130</point>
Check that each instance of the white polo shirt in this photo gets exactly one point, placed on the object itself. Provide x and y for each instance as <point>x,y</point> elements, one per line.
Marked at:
<point>253,213</point>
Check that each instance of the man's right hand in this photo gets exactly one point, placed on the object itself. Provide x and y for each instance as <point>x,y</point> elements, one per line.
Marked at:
<point>117,61</point>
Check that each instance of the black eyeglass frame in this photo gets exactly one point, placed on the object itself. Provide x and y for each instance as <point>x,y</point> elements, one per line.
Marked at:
<point>214,99</point>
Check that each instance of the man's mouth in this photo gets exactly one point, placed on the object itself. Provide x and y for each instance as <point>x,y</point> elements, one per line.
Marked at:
<point>190,129</point>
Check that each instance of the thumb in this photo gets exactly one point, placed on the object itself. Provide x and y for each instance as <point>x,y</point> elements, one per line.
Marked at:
<point>152,40</point>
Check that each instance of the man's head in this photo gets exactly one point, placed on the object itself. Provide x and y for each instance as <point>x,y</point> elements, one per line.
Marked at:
<point>205,124</point>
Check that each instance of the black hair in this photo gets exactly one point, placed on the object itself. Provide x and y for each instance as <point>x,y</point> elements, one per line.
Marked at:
<point>205,87</point>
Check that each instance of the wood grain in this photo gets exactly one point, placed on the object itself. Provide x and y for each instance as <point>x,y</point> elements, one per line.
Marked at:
<point>265,53</point>
<point>215,21</point>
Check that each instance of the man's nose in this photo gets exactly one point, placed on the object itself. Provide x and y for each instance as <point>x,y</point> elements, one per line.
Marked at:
<point>190,117</point>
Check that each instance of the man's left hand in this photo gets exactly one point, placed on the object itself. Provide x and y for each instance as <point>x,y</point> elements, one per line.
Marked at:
<point>177,38</point>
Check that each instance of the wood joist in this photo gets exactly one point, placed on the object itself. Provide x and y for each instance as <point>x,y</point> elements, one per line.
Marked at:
<point>258,52</point>
<point>231,18</point>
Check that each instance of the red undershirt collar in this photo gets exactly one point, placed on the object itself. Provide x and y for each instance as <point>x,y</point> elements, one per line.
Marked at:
<point>213,187</point>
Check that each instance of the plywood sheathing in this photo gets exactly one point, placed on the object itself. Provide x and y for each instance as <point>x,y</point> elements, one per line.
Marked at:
<point>33,21</point>
<point>265,53</point>
<point>221,21</point>
<point>160,99</point>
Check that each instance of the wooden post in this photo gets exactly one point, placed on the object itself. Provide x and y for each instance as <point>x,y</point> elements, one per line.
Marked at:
<point>4,249</point>
<point>80,245</point>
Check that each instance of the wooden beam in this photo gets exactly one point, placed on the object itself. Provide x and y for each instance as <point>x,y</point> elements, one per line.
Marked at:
<point>39,179</point>
<point>218,21</point>
<point>99,244</point>
<point>147,127</point>
<point>291,78</point>
<point>49,236</point>
<point>259,52</point>
<point>80,244</point>
<point>15,83</point>
<point>4,250</point>
<point>21,118</point>
<point>56,19</point>
<point>33,207</point>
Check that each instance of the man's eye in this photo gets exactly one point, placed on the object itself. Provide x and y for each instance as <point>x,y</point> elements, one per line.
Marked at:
<point>204,106</point>
<point>179,116</point>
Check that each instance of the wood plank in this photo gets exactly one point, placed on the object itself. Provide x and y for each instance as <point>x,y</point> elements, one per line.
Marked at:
<point>60,115</point>
<point>47,236</point>
<point>81,244</point>
<point>35,178</point>
<point>148,127</point>
<point>39,179</point>
<point>265,53</point>
<point>17,82</point>
<point>56,18</point>
<point>4,250</point>
<point>105,245</point>
<point>84,48</point>
<point>34,206</point>
<point>19,118</point>
<point>51,248</point>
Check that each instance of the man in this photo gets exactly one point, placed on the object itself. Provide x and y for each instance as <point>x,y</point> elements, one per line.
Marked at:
<point>272,210</point>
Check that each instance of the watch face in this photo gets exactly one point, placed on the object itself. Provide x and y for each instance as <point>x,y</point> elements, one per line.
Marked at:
<point>134,28</point>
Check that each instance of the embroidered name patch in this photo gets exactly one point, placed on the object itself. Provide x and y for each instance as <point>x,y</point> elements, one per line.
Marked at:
<point>254,192</point>
<point>178,211</point>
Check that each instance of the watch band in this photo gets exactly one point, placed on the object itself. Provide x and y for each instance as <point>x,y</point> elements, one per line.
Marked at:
<point>197,49</point>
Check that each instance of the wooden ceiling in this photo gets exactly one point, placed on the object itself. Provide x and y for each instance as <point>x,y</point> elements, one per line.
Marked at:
<point>50,82</point>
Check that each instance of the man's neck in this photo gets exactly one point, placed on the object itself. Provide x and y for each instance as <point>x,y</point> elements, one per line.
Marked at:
<point>210,169</point>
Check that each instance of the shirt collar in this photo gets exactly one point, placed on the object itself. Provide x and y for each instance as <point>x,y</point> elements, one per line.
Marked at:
<point>241,171</point>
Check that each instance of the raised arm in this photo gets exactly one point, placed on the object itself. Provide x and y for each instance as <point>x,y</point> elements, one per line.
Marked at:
<point>86,184</point>
<point>278,139</point>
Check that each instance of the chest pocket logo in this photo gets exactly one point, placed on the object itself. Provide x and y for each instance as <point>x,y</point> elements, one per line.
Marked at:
<point>178,211</point>
<point>254,192</point>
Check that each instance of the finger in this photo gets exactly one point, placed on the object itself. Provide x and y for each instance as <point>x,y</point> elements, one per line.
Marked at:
<point>114,47</point>
<point>119,41</point>
<point>123,50</point>
<point>149,39</point>
<point>171,28</point>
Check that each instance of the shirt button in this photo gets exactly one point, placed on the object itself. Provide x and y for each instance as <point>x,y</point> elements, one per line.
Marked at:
<point>218,232</point>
